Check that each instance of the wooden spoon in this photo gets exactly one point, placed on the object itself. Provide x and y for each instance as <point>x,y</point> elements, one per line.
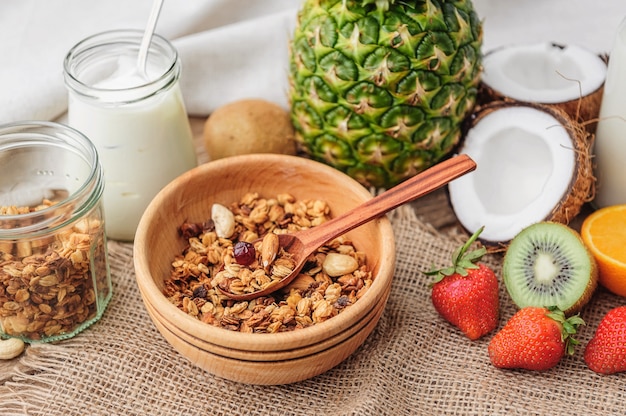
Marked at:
<point>303,243</point>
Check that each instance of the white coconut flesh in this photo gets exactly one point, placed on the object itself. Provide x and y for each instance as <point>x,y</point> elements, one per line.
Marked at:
<point>525,164</point>
<point>543,73</point>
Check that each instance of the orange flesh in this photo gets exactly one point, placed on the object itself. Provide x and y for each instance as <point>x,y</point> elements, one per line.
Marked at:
<point>609,234</point>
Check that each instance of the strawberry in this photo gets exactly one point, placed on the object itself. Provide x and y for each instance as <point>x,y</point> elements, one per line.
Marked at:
<point>466,293</point>
<point>606,351</point>
<point>535,338</point>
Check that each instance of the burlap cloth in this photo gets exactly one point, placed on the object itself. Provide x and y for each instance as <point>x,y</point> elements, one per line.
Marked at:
<point>414,363</point>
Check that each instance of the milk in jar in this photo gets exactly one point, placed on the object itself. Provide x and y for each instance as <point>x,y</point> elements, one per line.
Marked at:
<point>137,122</point>
<point>610,141</point>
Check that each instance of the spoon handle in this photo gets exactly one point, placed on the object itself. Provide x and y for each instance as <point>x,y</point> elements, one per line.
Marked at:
<point>142,58</point>
<point>413,188</point>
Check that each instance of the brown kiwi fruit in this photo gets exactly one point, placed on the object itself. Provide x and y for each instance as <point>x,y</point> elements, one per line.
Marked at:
<point>248,126</point>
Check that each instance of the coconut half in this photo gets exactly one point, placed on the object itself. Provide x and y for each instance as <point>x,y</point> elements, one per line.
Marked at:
<point>569,77</point>
<point>533,164</point>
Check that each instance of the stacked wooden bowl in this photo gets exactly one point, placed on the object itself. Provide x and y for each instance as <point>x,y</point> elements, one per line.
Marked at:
<point>259,358</point>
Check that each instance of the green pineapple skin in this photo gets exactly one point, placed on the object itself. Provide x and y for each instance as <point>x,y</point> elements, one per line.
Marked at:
<point>382,95</point>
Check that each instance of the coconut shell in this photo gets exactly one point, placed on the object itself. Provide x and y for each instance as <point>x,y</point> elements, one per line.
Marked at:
<point>585,109</point>
<point>582,185</point>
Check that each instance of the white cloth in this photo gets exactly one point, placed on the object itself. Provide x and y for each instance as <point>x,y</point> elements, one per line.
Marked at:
<point>233,49</point>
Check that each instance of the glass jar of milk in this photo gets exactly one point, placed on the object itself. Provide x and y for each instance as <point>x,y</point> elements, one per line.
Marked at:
<point>136,120</point>
<point>610,142</point>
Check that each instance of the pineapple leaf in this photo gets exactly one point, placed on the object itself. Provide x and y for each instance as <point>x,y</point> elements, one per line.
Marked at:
<point>381,5</point>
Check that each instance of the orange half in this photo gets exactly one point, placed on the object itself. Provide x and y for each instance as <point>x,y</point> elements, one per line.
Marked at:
<point>604,233</point>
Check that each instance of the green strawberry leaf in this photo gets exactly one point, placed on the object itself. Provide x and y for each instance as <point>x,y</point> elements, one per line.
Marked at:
<point>462,261</point>
<point>569,327</point>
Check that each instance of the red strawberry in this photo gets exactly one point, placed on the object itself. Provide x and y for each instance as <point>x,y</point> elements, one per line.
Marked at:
<point>606,351</point>
<point>534,338</point>
<point>466,294</point>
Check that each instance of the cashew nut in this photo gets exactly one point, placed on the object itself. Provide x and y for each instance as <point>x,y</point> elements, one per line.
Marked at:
<point>11,348</point>
<point>224,220</point>
<point>336,264</point>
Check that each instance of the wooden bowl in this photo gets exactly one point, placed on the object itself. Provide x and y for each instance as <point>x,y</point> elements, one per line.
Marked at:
<point>259,358</point>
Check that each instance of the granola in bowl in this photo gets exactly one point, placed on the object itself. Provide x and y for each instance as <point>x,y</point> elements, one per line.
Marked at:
<point>333,279</point>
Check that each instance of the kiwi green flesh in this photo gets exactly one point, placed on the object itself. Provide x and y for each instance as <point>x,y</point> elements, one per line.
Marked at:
<point>547,264</point>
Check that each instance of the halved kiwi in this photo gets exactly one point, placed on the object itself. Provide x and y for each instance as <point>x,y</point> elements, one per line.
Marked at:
<point>547,264</point>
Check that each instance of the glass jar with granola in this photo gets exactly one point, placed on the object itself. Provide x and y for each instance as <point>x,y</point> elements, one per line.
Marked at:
<point>54,274</point>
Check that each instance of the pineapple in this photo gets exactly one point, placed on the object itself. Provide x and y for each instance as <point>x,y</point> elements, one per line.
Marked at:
<point>379,89</point>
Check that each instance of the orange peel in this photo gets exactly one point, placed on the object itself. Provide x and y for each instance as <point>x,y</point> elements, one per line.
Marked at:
<point>604,234</point>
